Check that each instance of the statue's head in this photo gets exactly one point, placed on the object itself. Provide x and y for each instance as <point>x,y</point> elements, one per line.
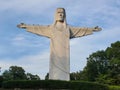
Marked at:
<point>60,15</point>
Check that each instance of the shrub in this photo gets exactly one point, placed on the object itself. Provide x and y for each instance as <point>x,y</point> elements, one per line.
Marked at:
<point>35,84</point>
<point>1,80</point>
<point>114,87</point>
<point>77,85</point>
<point>54,84</point>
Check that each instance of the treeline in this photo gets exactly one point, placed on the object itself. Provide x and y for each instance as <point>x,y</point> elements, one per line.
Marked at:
<point>102,66</point>
<point>17,73</point>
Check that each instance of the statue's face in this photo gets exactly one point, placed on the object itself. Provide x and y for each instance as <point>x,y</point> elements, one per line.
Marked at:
<point>60,14</point>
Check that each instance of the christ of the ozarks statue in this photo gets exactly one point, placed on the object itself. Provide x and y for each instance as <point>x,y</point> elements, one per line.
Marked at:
<point>59,33</point>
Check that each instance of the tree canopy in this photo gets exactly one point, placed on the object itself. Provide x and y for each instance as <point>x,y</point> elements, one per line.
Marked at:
<point>18,73</point>
<point>102,66</point>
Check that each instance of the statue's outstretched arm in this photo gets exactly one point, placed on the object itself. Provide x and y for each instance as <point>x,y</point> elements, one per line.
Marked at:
<point>83,31</point>
<point>37,29</point>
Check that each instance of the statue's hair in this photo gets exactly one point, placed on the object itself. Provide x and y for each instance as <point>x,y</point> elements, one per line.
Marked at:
<point>61,8</point>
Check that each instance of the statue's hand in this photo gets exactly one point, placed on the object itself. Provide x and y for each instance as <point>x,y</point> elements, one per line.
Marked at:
<point>22,25</point>
<point>97,28</point>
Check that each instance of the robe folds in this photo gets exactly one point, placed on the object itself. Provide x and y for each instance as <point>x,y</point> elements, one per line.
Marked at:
<point>59,66</point>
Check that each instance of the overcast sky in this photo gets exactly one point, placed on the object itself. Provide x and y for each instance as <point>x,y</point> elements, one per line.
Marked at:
<point>21,48</point>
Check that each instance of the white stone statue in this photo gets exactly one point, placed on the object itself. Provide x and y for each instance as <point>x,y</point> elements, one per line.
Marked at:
<point>59,33</point>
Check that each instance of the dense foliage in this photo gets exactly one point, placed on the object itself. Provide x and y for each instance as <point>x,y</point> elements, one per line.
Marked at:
<point>1,80</point>
<point>54,84</point>
<point>114,87</point>
<point>102,66</point>
<point>18,73</point>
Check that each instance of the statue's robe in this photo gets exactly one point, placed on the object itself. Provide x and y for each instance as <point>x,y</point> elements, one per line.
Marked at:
<point>59,67</point>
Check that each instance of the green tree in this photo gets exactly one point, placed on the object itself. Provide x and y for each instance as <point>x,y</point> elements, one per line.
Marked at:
<point>47,76</point>
<point>113,51</point>
<point>7,75</point>
<point>14,73</point>
<point>32,77</point>
<point>18,73</point>
<point>77,75</point>
<point>104,66</point>
<point>97,63</point>
<point>113,54</point>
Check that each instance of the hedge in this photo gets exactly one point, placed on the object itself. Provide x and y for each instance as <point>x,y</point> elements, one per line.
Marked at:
<point>0,84</point>
<point>53,84</point>
<point>114,87</point>
<point>1,80</point>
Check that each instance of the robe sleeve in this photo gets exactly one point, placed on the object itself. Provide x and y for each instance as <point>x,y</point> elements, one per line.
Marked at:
<point>79,32</point>
<point>39,30</point>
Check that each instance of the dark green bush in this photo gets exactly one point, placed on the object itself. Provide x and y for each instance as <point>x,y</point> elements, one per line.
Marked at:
<point>54,84</point>
<point>114,87</point>
<point>77,85</point>
<point>1,80</point>
<point>36,84</point>
<point>0,84</point>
